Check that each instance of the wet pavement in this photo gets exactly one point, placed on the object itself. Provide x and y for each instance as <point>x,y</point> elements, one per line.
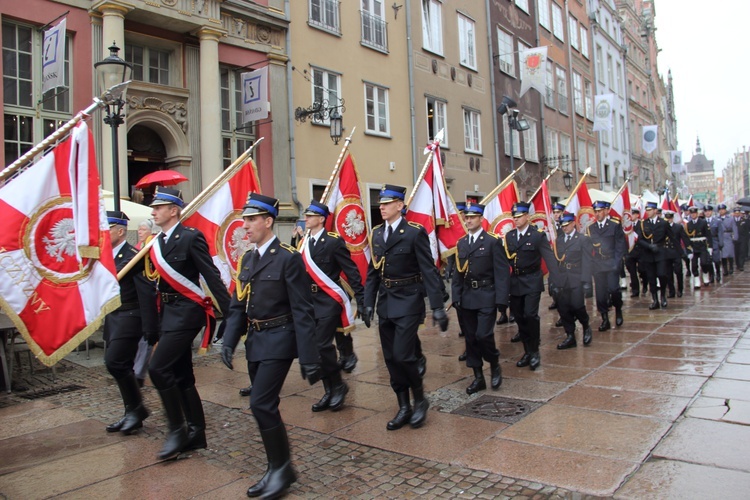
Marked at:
<point>658,408</point>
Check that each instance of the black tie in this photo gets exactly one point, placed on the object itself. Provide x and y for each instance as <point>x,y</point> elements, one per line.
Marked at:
<point>254,259</point>
<point>567,238</point>
<point>163,240</point>
<point>471,241</point>
<point>312,243</point>
<point>388,232</point>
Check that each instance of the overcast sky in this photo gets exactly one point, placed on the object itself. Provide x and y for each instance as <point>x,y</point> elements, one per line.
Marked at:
<point>704,44</point>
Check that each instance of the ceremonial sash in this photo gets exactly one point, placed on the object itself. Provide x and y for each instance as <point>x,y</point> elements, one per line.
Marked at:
<point>184,287</point>
<point>328,286</point>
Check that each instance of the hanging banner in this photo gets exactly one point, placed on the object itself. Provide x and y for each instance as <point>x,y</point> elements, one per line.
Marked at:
<point>53,57</point>
<point>675,161</point>
<point>650,134</point>
<point>603,106</point>
<point>533,75</point>
<point>255,95</point>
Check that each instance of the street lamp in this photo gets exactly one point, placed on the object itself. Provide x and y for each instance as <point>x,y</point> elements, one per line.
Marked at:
<point>568,180</point>
<point>336,126</point>
<point>113,72</point>
<point>514,122</point>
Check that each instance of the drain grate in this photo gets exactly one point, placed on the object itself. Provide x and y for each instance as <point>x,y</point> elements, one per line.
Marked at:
<point>51,392</point>
<point>497,409</point>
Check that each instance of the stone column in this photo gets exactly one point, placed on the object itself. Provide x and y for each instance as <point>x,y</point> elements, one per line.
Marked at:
<point>210,104</point>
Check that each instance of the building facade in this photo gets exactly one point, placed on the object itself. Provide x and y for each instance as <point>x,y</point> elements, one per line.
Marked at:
<point>701,177</point>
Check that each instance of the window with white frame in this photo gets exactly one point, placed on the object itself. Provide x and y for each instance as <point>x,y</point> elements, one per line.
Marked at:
<point>467,42</point>
<point>376,109</point>
<point>604,135</point>
<point>599,63</point>
<point>236,136</point>
<point>593,160</point>
<point>615,135</point>
<point>589,99</point>
<point>619,78</point>
<point>549,95</point>
<point>622,134</point>
<point>562,90</point>
<point>542,9</point>
<point>505,56</point>
<point>436,119</point>
<point>565,152</point>
<point>150,64</point>
<point>530,147</point>
<point>472,132</point>
<point>578,93</point>
<point>326,86</point>
<point>573,30</point>
<point>552,147</point>
<point>25,125</point>
<point>610,73</point>
<point>324,14</point>
<point>432,26</point>
<point>558,28</point>
<point>374,32</point>
<point>581,152</point>
<point>584,42</point>
<point>523,5</point>
<point>516,140</point>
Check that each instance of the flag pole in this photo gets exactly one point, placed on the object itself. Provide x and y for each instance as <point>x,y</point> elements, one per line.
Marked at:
<point>545,179</point>
<point>619,191</point>
<point>336,168</point>
<point>502,185</point>
<point>58,134</point>
<point>581,181</point>
<point>193,206</point>
<point>436,142</point>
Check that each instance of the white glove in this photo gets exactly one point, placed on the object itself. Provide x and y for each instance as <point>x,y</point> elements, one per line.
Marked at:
<point>710,251</point>
<point>690,256</point>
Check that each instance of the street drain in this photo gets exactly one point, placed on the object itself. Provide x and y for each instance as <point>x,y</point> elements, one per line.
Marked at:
<point>498,409</point>
<point>51,392</point>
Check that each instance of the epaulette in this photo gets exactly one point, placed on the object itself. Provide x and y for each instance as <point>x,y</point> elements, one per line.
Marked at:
<point>539,229</point>
<point>379,225</point>
<point>190,228</point>
<point>133,249</point>
<point>287,246</point>
<point>333,235</point>
<point>615,219</point>
<point>416,224</point>
<point>496,236</point>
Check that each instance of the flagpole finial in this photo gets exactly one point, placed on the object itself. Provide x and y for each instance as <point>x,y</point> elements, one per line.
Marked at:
<point>587,171</point>
<point>440,135</point>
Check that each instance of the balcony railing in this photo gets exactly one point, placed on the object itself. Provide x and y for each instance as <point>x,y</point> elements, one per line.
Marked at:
<point>374,31</point>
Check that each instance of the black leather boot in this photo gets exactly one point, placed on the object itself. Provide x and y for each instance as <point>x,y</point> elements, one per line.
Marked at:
<point>422,365</point>
<point>347,358</point>
<point>587,334</point>
<point>535,359</point>
<point>196,421</point>
<point>605,323</point>
<point>280,474</point>
<point>478,384</point>
<point>568,343</point>
<point>516,337</point>
<point>462,357</point>
<point>177,438</point>
<point>503,319</point>
<point>618,316</point>
<point>663,299</point>
<point>419,415</point>
<point>404,412</point>
<point>559,323</point>
<point>654,301</point>
<point>135,412</point>
<point>325,401</point>
<point>524,361</point>
<point>339,389</point>
<point>496,374</point>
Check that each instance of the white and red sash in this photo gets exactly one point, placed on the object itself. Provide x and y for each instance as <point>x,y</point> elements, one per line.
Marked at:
<point>329,286</point>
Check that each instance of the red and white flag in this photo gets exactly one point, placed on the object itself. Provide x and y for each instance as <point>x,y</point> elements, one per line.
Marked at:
<point>348,217</point>
<point>433,207</point>
<point>57,272</point>
<point>579,204</point>
<point>498,217</point>
<point>541,212</point>
<point>621,209</point>
<point>690,202</point>
<point>219,218</point>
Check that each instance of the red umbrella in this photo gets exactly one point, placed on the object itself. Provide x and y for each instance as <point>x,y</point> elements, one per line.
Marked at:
<point>161,177</point>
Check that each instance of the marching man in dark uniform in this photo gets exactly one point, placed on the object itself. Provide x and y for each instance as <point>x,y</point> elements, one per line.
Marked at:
<point>675,249</point>
<point>701,243</point>
<point>731,234</point>
<point>525,248</point>
<point>123,328</point>
<point>652,234</point>
<point>329,253</point>
<point>574,254</point>
<point>610,246</point>
<point>180,257</point>
<point>717,238</point>
<point>740,246</point>
<point>273,304</point>
<point>479,288</point>
<point>633,265</point>
<point>400,274</point>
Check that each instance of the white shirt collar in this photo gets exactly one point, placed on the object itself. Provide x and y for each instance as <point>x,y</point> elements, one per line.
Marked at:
<point>395,224</point>
<point>262,249</point>
<point>117,249</point>
<point>316,236</point>
<point>169,232</point>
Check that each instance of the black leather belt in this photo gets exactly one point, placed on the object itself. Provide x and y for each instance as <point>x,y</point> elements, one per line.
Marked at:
<point>481,283</point>
<point>569,265</point>
<point>264,324</point>
<point>528,270</point>
<point>166,298</point>
<point>128,306</point>
<point>391,283</point>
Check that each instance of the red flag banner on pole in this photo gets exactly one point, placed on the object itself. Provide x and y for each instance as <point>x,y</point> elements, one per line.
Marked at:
<point>57,272</point>
<point>621,209</point>
<point>579,203</point>
<point>433,207</point>
<point>497,211</point>
<point>219,218</point>
<point>348,217</point>
<point>542,216</point>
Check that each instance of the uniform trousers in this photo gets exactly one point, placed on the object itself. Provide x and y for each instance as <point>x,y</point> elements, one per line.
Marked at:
<point>572,307</point>
<point>656,270</point>
<point>267,377</point>
<point>120,355</point>
<point>525,308</point>
<point>172,361</point>
<point>478,326</point>
<point>637,276</point>
<point>398,337</point>
<point>325,331</point>
<point>674,269</point>
<point>608,292</point>
<point>740,250</point>
<point>700,257</point>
